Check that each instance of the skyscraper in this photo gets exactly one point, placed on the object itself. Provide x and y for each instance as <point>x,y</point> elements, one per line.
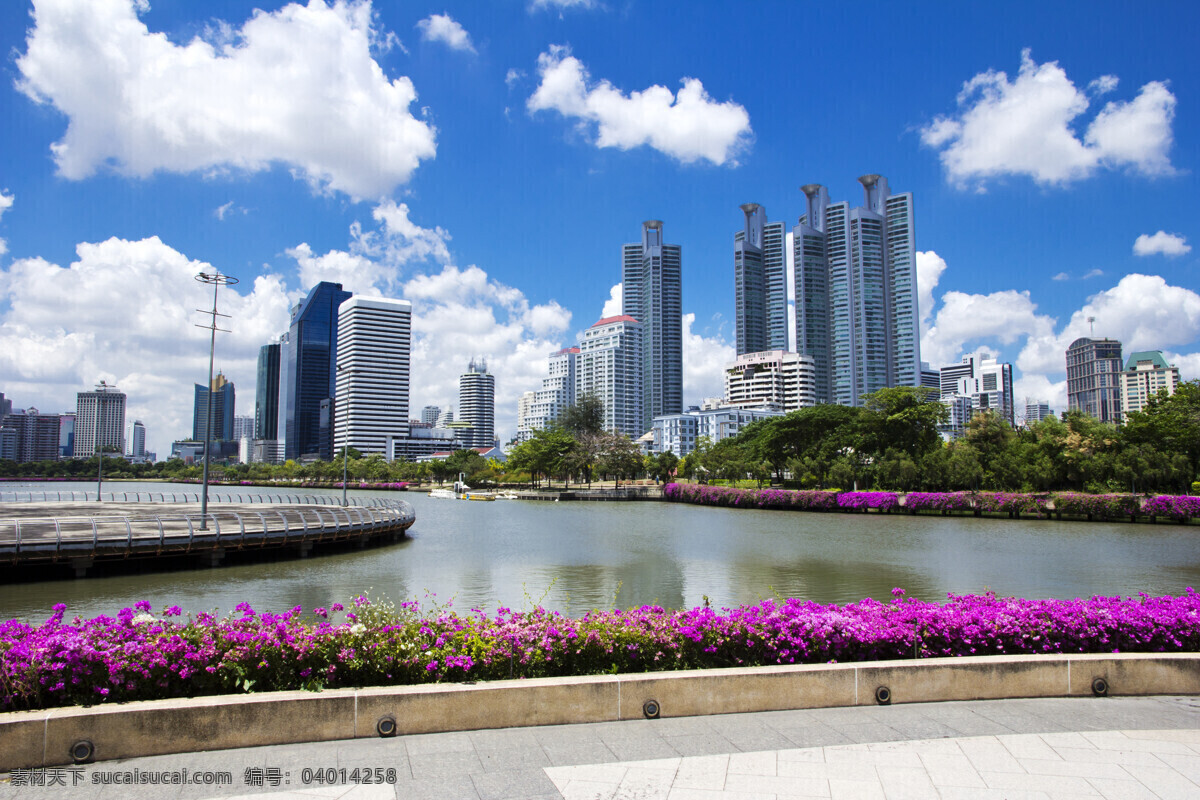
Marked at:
<point>556,394</point>
<point>306,370</point>
<point>99,420</point>
<point>1146,374</point>
<point>760,283</point>
<point>652,293</point>
<point>219,415</point>
<point>429,415</point>
<point>477,403</point>
<point>35,436</point>
<point>137,440</point>
<point>856,291</point>
<point>374,345</point>
<point>610,367</point>
<point>1094,378</point>
<point>266,393</point>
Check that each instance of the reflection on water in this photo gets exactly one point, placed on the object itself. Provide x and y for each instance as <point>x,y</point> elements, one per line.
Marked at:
<point>577,556</point>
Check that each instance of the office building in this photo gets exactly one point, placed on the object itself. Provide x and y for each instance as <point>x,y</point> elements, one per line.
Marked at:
<point>652,287</point>
<point>99,421</point>
<point>477,403</point>
<point>243,428</point>
<point>1036,411</point>
<point>1146,374</point>
<point>374,341</point>
<point>989,385</point>
<point>5,406</point>
<point>772,379</point>
<point>856,291</point>
<point>216,417</point>
<point>678,433</point>
<point>307,360</point>
<point>525,428</point>
<point>34,435</point>
<point>556,395</point>
<point>136,446</point>
<point>960,408</point>
<point>950,376</point>
<point>430,414</point>
<point>266,393</point>
<point>66,435</point>
<point>760,283</point>
<point>609,367</point>
<point>1094,378</point>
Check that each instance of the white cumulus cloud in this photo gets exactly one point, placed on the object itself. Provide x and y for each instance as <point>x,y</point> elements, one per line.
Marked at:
<point>612,306</point>
<point>6,202</point>
<point>447,30</point>
<point>1025,126</point>
<point>538,5</point>
<point>688,126</point>
<point>1161,243</point>
<point>297,86</point>
<point>704,362</point>
<point>930,267</point>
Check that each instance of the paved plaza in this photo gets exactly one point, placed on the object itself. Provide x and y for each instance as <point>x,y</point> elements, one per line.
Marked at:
<point>1119,748</point>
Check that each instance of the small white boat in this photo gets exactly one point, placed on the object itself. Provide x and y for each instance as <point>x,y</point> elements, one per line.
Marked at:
<point>444,494</point>
<point>508,496</point>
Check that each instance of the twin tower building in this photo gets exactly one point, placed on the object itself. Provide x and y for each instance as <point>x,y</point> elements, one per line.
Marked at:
<point>855,290</point>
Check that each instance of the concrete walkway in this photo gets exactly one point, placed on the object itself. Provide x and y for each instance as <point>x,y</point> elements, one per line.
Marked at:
<point>1117,747</point>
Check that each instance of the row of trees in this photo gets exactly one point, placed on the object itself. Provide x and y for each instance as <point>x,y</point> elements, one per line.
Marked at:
<point>892,442</point>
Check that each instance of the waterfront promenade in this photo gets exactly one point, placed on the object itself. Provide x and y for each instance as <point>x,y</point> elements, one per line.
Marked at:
<point>80,533</point>
<point>1114,747</point>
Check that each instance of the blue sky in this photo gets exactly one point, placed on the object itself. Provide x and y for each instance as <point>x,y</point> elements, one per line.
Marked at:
<point>487,161</point>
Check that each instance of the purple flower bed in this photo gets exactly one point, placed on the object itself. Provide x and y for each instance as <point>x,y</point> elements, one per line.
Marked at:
<point>138,655</point>
<point>939,501</point>
<point>750,498</point>
<point>1177,507</point>
<point>1013,502</point>
<point>1102,506</point>
<point>856,501</point>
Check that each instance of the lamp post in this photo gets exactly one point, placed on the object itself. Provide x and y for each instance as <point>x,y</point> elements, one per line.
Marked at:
<point>215,280</point>
<point>100,388</point>
<point>345,435</point>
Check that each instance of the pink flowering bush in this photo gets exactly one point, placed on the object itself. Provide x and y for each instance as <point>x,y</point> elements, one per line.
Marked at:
<point>138,655</point>
<point>1176,507</point>
<point>855,501</point>
<point>938,501</point>
<point>1099,506</point>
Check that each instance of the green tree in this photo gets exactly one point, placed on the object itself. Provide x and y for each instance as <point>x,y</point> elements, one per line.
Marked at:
<point>903,417</point>
<point>586,416</point>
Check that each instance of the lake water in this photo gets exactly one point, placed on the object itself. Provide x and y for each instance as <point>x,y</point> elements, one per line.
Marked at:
<point>576,556</point>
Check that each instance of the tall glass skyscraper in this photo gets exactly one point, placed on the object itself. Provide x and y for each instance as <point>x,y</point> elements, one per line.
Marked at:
<point>652,293</point>
<point>1094,378</point>
<point>307,371</point>
<point>856,291</point>
<point>266,393</point>
<point>760,283</point>
<point>371,404</point>
<point>219,417</point>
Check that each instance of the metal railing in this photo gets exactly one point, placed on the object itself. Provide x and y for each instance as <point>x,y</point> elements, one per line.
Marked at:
<point>60,537</point>
<point>184,497</point>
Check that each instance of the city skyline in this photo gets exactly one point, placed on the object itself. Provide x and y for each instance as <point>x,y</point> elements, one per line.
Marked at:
<point>488,177</point>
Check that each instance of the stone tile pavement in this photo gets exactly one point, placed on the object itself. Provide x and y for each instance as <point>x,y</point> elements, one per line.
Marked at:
<point>1117,748</point>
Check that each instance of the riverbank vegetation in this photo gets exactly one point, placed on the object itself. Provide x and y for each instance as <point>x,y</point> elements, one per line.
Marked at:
<point>890,443</point>
<point>140,656</point>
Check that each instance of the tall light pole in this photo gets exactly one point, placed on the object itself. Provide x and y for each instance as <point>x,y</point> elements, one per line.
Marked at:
<point>216,280</point>
<point>100,389</point>
<point>345,434</point>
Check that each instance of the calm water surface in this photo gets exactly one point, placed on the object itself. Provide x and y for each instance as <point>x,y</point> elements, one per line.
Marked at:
<point>576,556</point>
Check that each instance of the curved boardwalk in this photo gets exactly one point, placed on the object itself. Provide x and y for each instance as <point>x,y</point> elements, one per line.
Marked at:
<point>81,533</point>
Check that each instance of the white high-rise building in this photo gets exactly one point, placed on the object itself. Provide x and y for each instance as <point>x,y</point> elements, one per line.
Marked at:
<point>99,418</point>
<point>771,379</point>
<point>652,293</point>
<point>555,396</point>
<point>429,415</point>
<point>1146,374</point>
<point>525,427</point>
<point>856,291</point>
<point>374,336</point>
<point>136,443</point>
<point>609,367</point>
<point>477,403</point>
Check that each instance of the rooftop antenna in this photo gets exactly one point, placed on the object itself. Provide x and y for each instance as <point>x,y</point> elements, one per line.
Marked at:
<point>1092,326</point>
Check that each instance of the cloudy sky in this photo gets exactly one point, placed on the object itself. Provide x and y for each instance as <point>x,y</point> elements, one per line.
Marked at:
<point>487,161</point>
